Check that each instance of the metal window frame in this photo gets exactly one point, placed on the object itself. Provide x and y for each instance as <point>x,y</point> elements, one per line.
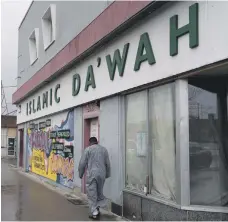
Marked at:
<point>182,143</point>
<point>121,109</point>
<point>149,145</point>
<point>123,131</point>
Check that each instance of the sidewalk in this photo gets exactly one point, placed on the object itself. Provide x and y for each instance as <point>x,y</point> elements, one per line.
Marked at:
<point>74,196</point>
<point>10,159</point>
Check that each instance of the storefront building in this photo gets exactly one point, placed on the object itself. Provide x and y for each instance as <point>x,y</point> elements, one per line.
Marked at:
<point>150,81</point>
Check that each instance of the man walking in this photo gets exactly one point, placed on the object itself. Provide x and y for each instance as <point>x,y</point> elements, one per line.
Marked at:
<point>96,159</point>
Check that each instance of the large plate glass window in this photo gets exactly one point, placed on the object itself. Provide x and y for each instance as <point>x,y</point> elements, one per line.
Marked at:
<point>136,142</point>
<point>162,139</point>
<point>208,141</point>
<point>150,141</point>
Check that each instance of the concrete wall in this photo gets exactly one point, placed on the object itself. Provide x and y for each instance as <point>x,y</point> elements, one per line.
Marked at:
<point>12,132</point>
<point>71,18</point>
<point>110,138</point>
<point>78,142</point>
<point>4,132</point>
<point>4,151</point>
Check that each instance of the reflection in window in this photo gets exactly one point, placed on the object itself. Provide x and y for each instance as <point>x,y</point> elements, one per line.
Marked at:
<point>208,158</point>
<point>162,137</point>
<point>136,142</point>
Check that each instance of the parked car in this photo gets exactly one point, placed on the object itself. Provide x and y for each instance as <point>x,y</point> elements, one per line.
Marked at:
<point>200,158</point>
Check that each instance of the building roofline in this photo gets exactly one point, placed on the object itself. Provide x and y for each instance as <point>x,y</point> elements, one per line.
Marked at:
<point>99,32</point>
<point>26,14</point>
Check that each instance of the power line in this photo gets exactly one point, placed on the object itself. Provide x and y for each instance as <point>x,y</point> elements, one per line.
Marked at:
<point>8,86</point>
<point>11,112</point>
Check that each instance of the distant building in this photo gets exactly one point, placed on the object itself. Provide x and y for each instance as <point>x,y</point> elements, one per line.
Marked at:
<point>142,77</point>
<point>8,129</point>
<point>8,134</point>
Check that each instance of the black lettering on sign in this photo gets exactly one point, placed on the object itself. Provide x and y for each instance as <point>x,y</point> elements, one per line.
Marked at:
<point>58,146</point>
<point>48,122</point>
<point>30,107</point>
<point>39,166</point>
<point>42,125</point>
<point>69,151</point>
<point>63,134</point>
<point>59,152</point>
<point>69,155</point>
<point>53,135</point>
<point>36,158</point>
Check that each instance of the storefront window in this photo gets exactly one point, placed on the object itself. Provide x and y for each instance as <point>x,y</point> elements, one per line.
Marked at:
<point>208,142</point>
<point>151,113</point>
<point>136,142</point>
<point>162,139</point>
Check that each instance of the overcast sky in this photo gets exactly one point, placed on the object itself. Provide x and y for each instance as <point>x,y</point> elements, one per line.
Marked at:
<point>12,13</point>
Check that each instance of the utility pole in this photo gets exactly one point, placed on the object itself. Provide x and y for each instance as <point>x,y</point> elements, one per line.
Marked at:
<point>3,103</point>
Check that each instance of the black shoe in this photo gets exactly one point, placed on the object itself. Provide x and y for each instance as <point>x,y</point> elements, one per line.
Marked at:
<point>98,209</point>
<point>93,217</point>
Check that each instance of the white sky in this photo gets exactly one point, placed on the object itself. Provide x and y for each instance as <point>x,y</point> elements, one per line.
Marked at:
<point>12,13</point>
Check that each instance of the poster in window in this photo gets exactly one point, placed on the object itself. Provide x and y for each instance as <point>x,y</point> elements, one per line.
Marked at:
<point>141,141</point>
<point>94,128</point>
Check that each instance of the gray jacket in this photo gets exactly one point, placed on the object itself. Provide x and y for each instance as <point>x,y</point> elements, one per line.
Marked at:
<point>96,159</point>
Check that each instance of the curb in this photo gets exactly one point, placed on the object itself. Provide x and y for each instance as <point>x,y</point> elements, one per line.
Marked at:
<point>80,199</point>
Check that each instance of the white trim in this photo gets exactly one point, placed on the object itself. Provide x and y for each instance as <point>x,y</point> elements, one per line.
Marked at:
<point>48,46</point>
<point>50,13</point>
<point>33,48</point>
<point>34,62</point>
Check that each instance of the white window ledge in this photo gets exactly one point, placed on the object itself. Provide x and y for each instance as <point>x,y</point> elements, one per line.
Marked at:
<point>49,45</point>
<point>32,63</point>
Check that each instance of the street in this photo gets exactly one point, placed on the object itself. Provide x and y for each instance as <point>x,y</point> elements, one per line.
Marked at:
<point>25,200</point>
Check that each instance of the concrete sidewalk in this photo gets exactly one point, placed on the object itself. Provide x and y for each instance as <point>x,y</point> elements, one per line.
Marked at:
<point>10,160</point>
<point>74,196</point>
